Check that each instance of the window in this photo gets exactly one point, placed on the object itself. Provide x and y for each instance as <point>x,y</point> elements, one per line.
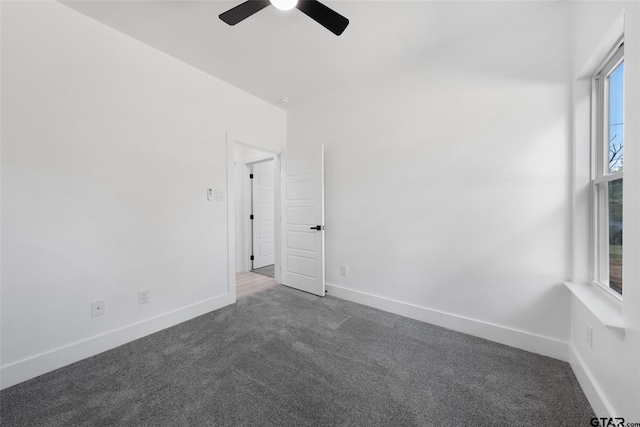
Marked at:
<point>607,171</point>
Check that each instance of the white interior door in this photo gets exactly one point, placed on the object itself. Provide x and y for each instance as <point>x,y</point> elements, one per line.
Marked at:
<point>303,219</point>
<point>263,214</point>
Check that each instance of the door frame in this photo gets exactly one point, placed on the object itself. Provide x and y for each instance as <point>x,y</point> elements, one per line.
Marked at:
<point>232,141</point>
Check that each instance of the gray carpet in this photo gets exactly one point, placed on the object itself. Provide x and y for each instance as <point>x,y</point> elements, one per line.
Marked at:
<point>285,358</point>
<point>267,270</point>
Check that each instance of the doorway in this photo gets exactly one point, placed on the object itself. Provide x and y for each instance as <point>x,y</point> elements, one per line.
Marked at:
<point>254,211</point>
<point>299,213</point>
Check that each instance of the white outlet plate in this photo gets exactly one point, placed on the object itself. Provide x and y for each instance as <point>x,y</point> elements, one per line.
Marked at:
<point>589,336</point>
<point>143,296</point>
<point>344,270</point>
<point>97,308</point>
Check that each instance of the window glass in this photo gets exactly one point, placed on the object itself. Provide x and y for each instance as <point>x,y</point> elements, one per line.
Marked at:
<point>616,119</point>
<point>615,235</point>
<point>607,177</point>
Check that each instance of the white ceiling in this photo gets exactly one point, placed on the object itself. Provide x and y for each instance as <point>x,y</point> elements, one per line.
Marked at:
<point>275,54</point>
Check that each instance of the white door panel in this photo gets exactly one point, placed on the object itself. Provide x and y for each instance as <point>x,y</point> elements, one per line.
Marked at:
<point>301,215</point>
<point>263,214</point>
<point>303,210</point>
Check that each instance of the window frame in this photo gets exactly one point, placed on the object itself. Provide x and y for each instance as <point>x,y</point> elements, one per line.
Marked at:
<point>600,175</point>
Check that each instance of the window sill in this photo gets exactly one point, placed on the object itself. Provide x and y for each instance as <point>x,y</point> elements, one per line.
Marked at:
<point>606,310</point>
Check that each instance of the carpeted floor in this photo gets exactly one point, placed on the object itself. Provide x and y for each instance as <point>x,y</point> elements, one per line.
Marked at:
<point>285,358</point>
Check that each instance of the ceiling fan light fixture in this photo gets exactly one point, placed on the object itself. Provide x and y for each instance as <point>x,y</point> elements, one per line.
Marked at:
<point>323,15</point>
<point>284,4</point>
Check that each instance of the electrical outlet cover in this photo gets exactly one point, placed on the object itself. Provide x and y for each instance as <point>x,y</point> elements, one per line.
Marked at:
<point>143,296</point>
<point>97,308</point>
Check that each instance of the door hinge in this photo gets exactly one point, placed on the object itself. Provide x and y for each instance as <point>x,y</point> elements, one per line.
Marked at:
<point>251,257</point>
<point>250,176</point>
<point>251,217</point>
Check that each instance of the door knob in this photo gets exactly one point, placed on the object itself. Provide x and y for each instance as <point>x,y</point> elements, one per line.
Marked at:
<point>318,227</point>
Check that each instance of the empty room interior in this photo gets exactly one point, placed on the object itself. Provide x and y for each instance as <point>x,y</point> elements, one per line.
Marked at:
<point>445,193</point>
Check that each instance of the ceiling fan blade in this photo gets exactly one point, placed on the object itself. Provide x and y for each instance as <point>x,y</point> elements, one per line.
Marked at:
<point>243,11</point>
<point>323,15</point>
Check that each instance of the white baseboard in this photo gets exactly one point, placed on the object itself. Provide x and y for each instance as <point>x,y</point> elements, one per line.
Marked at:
<point>22,370</point>
<point>596,398</point>
<point>512,337</point>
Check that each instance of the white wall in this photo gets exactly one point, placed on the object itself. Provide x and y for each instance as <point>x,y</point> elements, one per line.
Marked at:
<point>609,372</point>
<point>108,147</point>
<point>448,185</point>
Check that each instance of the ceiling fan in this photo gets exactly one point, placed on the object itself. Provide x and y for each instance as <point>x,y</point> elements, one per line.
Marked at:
<point>315,10</point>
